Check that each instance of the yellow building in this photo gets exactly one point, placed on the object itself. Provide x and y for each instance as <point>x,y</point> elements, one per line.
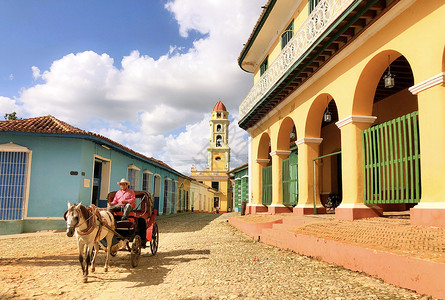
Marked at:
<point>359,87</point>
<point>183,200</point>
<point>215,175</point>
<point>201,199</point>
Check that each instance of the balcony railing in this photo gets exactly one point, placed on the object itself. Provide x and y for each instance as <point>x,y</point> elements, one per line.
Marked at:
<point>324,14</point>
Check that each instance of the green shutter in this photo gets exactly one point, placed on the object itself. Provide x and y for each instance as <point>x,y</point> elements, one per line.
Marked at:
<point>290,180</point>
<point>391,161</point>
<point>267,185</point>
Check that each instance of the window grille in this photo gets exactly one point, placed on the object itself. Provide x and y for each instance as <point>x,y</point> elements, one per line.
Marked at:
<point>133,177</point>
<point>147,182</point>
<point>13,183</point>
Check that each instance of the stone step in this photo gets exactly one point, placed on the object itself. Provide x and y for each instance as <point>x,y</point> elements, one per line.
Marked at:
<point>277,237</point>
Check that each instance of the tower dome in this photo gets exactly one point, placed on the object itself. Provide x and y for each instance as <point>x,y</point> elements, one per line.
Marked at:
<point>219,106</point>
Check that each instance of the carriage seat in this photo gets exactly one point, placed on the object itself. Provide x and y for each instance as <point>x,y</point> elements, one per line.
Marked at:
<point>144,204</point>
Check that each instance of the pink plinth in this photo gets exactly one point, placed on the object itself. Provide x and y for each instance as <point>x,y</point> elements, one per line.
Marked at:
<point>428,216</point>
<point>279,209</point>
<point>302,211</point>
<point>253,209</point>
<point>354,213</point>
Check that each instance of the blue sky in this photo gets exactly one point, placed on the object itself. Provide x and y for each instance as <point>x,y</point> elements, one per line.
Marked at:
<point>35,33</point>
<point>143,73</point>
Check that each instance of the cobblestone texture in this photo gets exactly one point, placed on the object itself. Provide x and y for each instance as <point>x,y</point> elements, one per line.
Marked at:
<point>200,257</point>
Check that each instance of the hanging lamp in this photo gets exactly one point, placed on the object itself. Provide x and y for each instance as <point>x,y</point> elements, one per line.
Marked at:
<point>389,78</point>
<point>327,116</point>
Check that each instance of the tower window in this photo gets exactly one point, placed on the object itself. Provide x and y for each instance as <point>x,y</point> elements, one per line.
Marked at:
<point>218,141</point>
<point>218,128</point>
<point>217,158</point>
<point>218,115</point>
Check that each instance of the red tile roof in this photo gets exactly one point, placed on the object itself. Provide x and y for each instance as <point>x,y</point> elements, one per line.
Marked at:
<point>51,125</point>
<point>219,106</point>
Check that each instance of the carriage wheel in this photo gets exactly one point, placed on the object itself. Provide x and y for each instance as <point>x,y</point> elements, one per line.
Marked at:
<point>135,251</point>
<point>154,239</point>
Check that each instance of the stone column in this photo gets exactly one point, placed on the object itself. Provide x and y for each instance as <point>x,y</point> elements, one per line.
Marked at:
<point>352,206</point>
<point>277,183</point>
<point>255,204</point>
<point>431,100</point>
<point>308,149</point>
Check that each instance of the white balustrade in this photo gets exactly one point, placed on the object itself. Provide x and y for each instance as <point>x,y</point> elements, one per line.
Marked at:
<point>324,14</point>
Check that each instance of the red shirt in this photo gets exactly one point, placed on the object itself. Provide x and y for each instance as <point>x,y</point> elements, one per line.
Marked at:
<point>127,195</point>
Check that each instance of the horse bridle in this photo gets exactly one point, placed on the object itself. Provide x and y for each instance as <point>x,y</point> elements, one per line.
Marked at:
<point>77,217</point>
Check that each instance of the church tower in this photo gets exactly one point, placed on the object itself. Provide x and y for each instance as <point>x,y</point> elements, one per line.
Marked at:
<point>215,175</point>
<point>218,150</point>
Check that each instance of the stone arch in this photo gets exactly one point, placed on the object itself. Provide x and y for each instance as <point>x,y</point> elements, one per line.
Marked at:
<point>284,134</point>
<point>314,116</point>
<point>368,81</point>
<point>264,146</point>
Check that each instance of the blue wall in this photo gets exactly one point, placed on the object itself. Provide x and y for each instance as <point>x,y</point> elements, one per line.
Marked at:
<point>53,158</point>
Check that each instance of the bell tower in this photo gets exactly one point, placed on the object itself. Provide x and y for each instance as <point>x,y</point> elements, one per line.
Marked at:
<point>218,150</point>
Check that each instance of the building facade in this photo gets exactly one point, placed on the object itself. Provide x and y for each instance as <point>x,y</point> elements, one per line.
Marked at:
<point>46,163</point>
<point>215,175</point>
<point>358,87</point>
<point>239,178</point>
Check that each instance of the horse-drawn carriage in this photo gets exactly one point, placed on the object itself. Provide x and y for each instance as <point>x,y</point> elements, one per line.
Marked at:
<point>140,227</point>
<point>97,228</point>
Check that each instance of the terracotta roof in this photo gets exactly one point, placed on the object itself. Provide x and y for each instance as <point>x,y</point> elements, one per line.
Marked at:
<point>219,106</point>
<point>51,125</point>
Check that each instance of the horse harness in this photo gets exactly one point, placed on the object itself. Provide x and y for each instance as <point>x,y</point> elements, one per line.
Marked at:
<point>91,222</point>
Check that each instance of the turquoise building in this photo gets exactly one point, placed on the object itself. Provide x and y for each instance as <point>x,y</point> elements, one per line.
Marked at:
<point>45,163</point>
<point>240,179</point>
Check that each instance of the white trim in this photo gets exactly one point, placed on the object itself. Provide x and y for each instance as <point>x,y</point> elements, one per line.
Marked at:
<point>11,147</point>
<point>340,57</point>
<point>146,171</point>
<point>280,152</point>
<point>262,160</point>
<point>132,166</point>
<point>430,205</point>
<point>245,176</point>
<point>308,141</point>
<point>430,82</point>
<point>239,178</point>
<point>355,119</point>
<point>105,180</point>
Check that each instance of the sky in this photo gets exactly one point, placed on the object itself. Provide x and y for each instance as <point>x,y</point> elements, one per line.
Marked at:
<point>145,73</point>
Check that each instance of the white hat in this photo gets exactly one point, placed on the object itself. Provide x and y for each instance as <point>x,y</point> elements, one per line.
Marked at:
<point>123,180</point>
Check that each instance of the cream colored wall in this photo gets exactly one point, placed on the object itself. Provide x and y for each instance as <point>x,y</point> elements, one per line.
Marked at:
<point>299,18</point>
<point>354,76</point>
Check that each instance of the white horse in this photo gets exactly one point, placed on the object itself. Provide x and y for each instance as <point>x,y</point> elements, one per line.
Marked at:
<point>88,224</point>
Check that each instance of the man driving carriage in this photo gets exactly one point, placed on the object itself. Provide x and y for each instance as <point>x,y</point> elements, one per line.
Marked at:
<point>124,199</point>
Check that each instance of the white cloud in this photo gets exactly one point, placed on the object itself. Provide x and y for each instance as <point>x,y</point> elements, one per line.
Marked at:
<point>11,76</point>
<point>8,105</point>
<point>147,98</point>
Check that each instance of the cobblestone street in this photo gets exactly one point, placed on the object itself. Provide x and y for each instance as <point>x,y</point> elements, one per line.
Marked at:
<point>200,257</point>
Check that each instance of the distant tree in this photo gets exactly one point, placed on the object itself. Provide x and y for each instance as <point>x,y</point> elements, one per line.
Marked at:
<point>11,116</point>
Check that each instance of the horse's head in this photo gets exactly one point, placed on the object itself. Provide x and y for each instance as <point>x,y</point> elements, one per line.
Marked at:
<point>71,217</point>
